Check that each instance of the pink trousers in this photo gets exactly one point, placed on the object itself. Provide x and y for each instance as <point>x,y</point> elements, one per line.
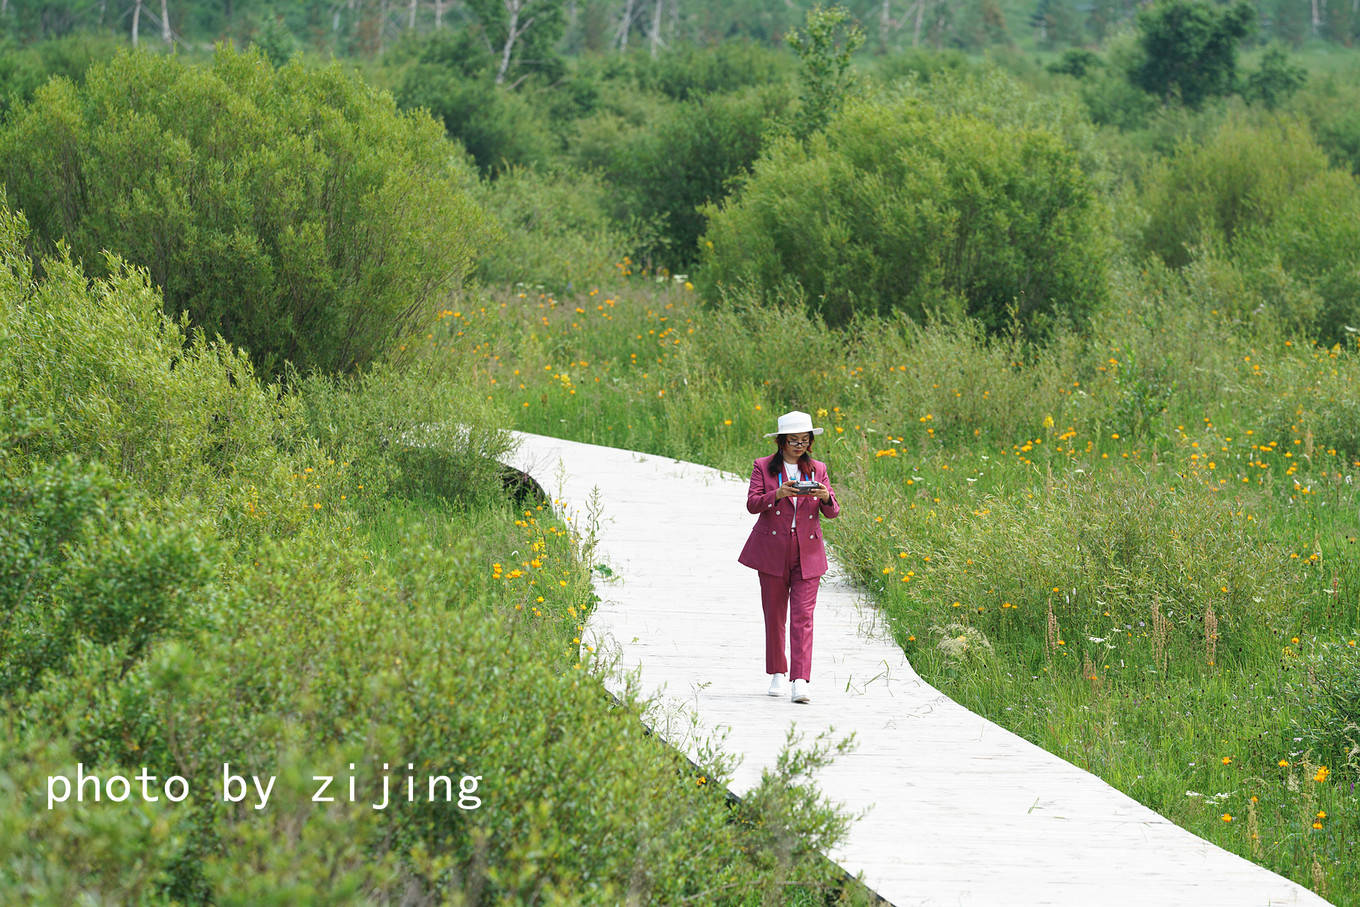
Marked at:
<point>781,596</point>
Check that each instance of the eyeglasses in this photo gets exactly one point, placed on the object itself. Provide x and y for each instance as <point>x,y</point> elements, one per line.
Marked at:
<point>798,442</point>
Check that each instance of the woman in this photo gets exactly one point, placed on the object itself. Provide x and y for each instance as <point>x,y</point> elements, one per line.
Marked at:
<point>785,546</point>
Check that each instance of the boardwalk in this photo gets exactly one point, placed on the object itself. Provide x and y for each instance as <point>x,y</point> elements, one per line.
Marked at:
<point>959,810</point>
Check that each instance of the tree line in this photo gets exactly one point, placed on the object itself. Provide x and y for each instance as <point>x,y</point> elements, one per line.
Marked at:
<point>526,30</point>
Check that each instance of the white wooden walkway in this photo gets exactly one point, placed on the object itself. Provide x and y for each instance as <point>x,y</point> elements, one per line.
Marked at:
<point>960,811</point>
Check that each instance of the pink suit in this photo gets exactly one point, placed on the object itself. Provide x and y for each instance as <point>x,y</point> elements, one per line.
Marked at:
<point>785,547</point>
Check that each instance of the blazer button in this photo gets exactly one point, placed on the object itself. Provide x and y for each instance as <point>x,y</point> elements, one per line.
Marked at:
<point>774,532</point>
<point>776,513</point>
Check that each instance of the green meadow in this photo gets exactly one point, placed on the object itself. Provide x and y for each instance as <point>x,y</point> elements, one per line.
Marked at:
<point>1083,332</point>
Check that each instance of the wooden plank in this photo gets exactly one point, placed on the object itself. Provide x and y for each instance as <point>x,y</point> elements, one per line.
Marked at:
<point>957,810</point>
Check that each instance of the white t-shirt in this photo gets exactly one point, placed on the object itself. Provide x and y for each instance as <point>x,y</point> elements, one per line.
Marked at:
<point>791,472</point>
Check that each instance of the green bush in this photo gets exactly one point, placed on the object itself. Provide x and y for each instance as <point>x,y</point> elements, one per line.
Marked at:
<point>1076,62</point>
<point>413,430</point>
<point>920,64</point>
<point>1190,49</point>
<point>692,72</point>
<point>23,69</point>
<point>899,206</point>
<point>667,169</point>
<point>557,229</point>
<point>101,372</point>
<point>81,561</point>
<point>275,206</point>
<point>1275,81</point>
<point>1331,105</point>
<point>452,76</point>
<point>1240,177</point>
<point>1264,200</point>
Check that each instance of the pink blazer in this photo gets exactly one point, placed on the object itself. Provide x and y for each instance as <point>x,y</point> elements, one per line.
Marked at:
<point>766,547</point>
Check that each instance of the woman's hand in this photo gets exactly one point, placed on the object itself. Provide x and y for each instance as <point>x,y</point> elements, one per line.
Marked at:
<point>822,494</point>
<point>785,491</point>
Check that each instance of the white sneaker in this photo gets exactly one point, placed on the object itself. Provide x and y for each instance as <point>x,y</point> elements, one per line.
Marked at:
<point>800,693</point>
<point>776,684</point>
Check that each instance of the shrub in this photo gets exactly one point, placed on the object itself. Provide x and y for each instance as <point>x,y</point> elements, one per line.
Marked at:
<point>1275,81</point>
<point>899,206</point>
<point>452,76</point>
<point>1240,177</point>
<point>1107,93</point>
<point>414,430</point>
<point>1264,200</point>
<point>275,206</point>
<point>24,69</point>
<point>1331,105</point>
<point>1076,62</point>
<point>102,373</point>
<point>920,64</point>
<point>665,169</point>
<point>1190,49</point>
<point>691,157</point>
<point>557,229</point>
<point>691,72</point>
<point>82,562</point>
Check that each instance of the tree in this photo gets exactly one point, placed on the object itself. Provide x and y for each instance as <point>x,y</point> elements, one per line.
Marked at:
<point>522,33</point>
<point>905,206</point>
<point>1190,49</point>
<point>1275,81</point>
<point>825,45</point>
<point>1057,23</point>
<point>295,211</point>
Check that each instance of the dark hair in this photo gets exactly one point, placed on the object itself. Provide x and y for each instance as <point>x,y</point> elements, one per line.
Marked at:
<point>804,461</point>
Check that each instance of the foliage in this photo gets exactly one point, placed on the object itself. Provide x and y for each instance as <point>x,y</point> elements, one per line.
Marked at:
<point>919,64</point>
<point>393,420</point>
<point>1327,708</point>
<point>900,206</point>
<point>1331,105</point>
<point>283,611</point>
<point>685,158</point>
<point>1108,95</point>
<point>271,205</point>
<point>498,127</point>
<point>825,45</point>
<point>1265,201</point>
<point>521,33</point>
<point>691,72</point>
<point>556,228</point>
<point>275,41</point>
<point>84,565</point>
<point>1275,81</point>
<point>161,405</point>
<point>23,69</point>
<point>1076,62</point>
<point>1190,49</point>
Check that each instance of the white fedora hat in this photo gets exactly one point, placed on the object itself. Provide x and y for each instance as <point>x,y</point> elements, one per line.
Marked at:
<point>794,422</point>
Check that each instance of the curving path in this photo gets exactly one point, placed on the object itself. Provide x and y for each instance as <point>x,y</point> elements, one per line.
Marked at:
<point>959,810</point>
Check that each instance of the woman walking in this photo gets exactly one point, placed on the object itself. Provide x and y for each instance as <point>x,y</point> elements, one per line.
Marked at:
<point>790,492</point>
